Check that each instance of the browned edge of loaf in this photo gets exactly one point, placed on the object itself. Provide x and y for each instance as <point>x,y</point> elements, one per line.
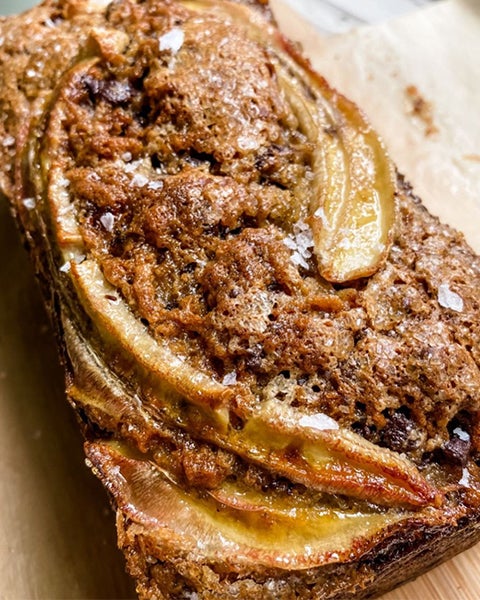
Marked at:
<point>392,563</point>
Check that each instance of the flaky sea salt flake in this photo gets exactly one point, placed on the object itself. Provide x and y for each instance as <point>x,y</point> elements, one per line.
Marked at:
<point>29,203</point>
<point>79,258</point>
<point>298,260</point>
<point>290,242</point>
<point>449,299</point>
<point>108,221</point>
<point>465,480</point>
<point>462,435</point>
<point>301,242</point>
<point>139,180</point>
<point>319,421</point>
<point>230,378</point>
<point>8,140</point>
<point>131,167</point>
<point>172,40</point>
<point>155,185</point>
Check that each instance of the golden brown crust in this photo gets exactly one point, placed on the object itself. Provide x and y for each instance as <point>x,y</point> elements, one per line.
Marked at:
<point>165,203</point>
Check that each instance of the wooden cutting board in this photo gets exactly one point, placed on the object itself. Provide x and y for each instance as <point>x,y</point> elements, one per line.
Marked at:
<point>56,528</point>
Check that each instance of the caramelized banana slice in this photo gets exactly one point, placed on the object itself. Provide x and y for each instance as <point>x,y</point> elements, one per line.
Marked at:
<point>233,525</point>
<point>352,206</point>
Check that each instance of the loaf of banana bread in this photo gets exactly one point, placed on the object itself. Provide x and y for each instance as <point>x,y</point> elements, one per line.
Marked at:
<point>273,349</point>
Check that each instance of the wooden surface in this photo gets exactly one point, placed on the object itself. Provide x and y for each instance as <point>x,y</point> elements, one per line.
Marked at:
<point>57,535</point>
<point>56,528</point>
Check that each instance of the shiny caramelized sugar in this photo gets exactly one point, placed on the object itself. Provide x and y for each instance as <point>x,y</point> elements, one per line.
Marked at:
<point>293,342</point>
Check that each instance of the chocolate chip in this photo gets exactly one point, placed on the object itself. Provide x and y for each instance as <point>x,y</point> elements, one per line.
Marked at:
<point>456,451</point>
<point>399,433</point>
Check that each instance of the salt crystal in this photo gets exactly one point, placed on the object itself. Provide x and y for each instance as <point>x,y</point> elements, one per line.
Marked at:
<point>127,156</point>
<point>31,73</point>
<point>465,480</point>
<point>334,556</point>
<point>172,40</point>
<point>304,244</point>
<point>107,220</point>
<point>298,260</point>
<point>79,258</point>
<point>139,180</point>
<point>319,421</point>
<point>155,185</point>
<point>230,378</point>
<point>133,166</point>
<point>301,226</point>
<point>247,142</point>
<point>63,181</point>
<point>65,268</point>
<point>29,203</point>
<point>449,299</point>
<point>290,242</point>
<point>300,242</point>
<point>462,435</point>
<point>8,140</point>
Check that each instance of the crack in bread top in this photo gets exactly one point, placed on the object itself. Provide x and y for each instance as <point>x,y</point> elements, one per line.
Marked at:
<point>191,177</point>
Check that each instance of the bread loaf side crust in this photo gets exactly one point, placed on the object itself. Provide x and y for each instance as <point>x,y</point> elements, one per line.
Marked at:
<point>399,559</point>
